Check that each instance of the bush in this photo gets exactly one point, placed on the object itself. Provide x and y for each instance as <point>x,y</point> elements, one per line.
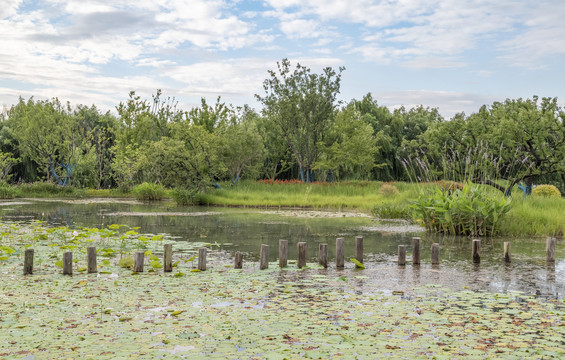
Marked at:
<point>6,191</point>
<point>388,190</point>
<point>149,192</point>
<point>391,211</point>
<point>186,196</point>
<point>546,191</point>
<point>471,211</point>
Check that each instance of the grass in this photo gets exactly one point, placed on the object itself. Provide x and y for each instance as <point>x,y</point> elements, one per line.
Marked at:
<point>535,216</point>
<point>348,195</point>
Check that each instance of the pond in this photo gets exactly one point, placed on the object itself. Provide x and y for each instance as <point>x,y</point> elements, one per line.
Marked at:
<point>236,229</point>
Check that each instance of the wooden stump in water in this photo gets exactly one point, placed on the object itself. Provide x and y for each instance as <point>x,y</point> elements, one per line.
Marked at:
<point>68,263</point>
<point>28,262</point>
<point>550,249</point>
<point>91,259</point>
<point>168,257</point>
<point>415,251</point>
<point>301,255</point>
<point>402,255</point>
<point>476,251</point>
<point>264,257</point>
<point>202,258</point>
<point>435,254</point>
<point>238,260</point>
<point>283,253</point>
<point>138,259</point>
<point>339,253</point>
<point>359,249</point>
<point>507,257</point>
<point>323,255</point>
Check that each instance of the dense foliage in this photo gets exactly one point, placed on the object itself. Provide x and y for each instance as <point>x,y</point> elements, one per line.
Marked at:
<point>301,133</point>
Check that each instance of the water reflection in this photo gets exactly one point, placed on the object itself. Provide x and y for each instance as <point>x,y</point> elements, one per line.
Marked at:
<point>245,230</point>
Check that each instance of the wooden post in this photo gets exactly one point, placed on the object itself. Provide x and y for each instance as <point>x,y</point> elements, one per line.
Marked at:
<point>28,262</point>
<point>415,251</point>
<point>301,254</point>
<point>168,257</point>
<point>138,259</point>
<point>238,260</point>
<point>507,257</point>
<point>202,258</point>
<point>339,253</point>
<point>283,253</point>
<point>402,255</point>
<point>359,249</point>
<point>550,249</point>
<point>264,259</point>
<point>68,263</point>
<point>91,259</point>
<point>323,255</point>
<point>476,251</point>
<point>435,254</point>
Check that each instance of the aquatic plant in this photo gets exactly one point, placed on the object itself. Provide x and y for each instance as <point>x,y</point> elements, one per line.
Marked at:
<point>149,191</point>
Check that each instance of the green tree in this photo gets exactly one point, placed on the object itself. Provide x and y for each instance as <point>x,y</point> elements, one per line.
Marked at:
<point>211,117</point>
<point>350,147</point>
<point>47,133</point>
<point>301,106</point>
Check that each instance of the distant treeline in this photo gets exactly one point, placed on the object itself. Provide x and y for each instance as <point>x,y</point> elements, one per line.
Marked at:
<point>301,132</point>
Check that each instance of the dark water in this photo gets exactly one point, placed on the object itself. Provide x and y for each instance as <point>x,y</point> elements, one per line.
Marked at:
<point>246,229</point>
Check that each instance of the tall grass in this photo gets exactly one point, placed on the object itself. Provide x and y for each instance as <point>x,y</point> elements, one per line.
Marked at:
<point>358,195</point>
<point>535,216</point>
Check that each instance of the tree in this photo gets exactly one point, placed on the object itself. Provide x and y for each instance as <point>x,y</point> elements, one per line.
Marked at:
<point>210,117</point>
<point>46,133</point>
<point>515,140</point>
<point>350,147</point>
<point>241,147</point>
<point>301,106</point>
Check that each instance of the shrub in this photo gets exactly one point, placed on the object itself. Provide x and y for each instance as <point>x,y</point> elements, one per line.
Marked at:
<point>388,190</point>
<point>147,191</point>
<point>471,211</point>
<point>546,191</point>
<point>6,191</point>
<point>391,211</point>
<point>186,196</point>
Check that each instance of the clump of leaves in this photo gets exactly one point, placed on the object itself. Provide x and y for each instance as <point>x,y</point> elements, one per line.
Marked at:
<point>126,262</point>
<point>388,190</point>
<point>470,211</point>
<point>148,191</point>
<point>546,191</point>
<point>391,211</point>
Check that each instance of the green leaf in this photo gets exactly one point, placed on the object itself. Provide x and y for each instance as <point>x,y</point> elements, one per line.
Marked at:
<point>357,263</point>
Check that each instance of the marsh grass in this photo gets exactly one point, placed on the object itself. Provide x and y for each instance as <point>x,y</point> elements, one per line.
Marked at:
<point>534,216</point>
<point>357,195</point>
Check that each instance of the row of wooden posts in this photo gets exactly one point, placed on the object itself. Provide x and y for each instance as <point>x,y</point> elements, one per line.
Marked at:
<point>139,257</point>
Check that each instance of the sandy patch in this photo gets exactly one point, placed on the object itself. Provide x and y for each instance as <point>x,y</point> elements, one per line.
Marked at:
<point>315,214</point>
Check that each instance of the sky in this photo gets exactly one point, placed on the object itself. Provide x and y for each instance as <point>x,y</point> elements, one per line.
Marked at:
<point>454,55</point>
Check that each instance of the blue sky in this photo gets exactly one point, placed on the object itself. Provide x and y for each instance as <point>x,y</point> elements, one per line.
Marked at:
<point>455,55</point>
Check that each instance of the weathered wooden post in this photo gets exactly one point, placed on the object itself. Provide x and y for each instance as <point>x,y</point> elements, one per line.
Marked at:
<point>92,267</point>
<point>138,259</point>
<point>550,249</point>
<point>415,251</point>
<point>168,257</point>
<point>402,255</point>
<point>283,253</point>
<point>202,258</point>
<point>28,262</point>
<point>68,263</point>
<point>359,249</point>
<point>238,260</point>
<point>339,253</point>
<point>435,254</point>
<point>476,251</point>
<point>301,254</point>
<point>323,255</point>
<point>507,257</point>
<point>264,257</point>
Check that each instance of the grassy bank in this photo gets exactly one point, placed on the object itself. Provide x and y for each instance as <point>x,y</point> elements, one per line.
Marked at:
<point>348,195</point>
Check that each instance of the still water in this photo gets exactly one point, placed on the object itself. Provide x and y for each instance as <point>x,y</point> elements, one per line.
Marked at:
<point>236,229</point>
